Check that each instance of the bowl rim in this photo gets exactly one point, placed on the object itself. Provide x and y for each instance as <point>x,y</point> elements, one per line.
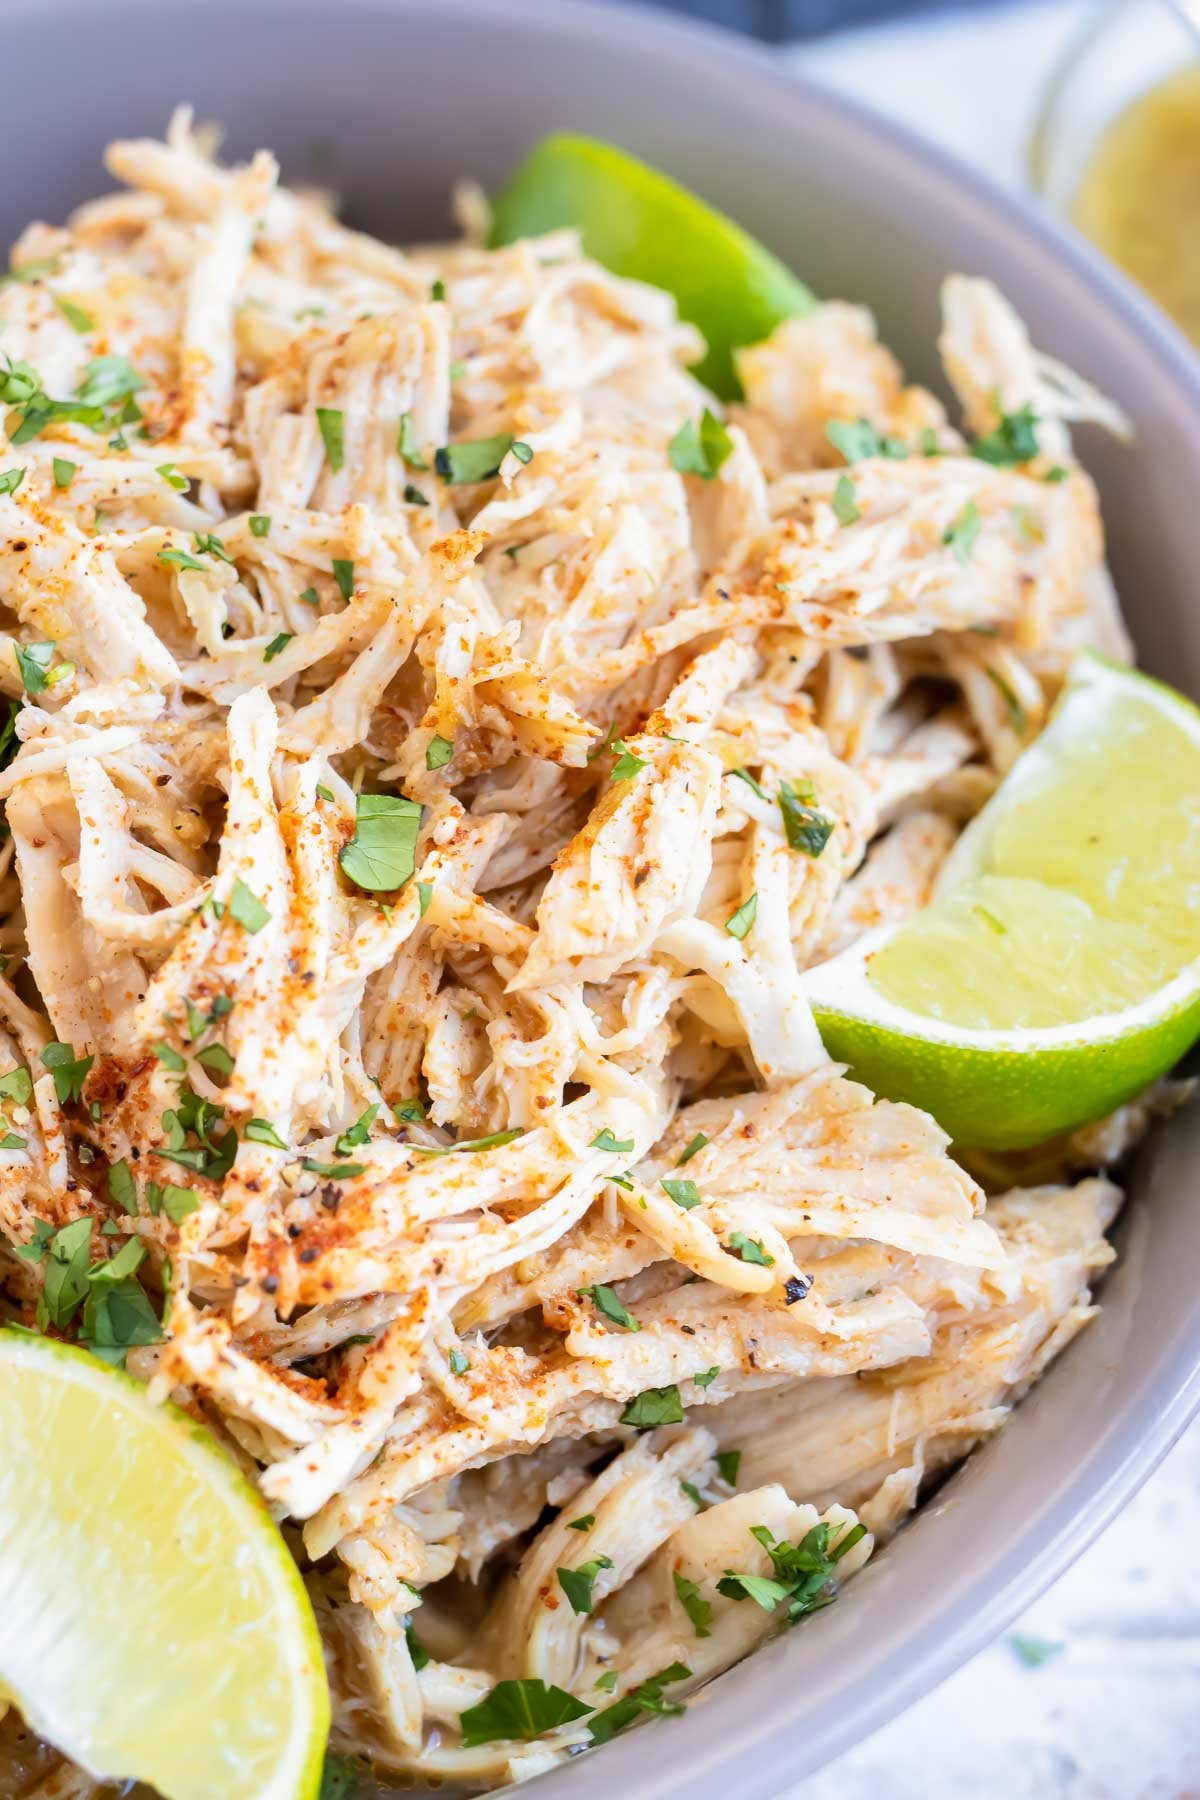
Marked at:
<point>749,1756</point>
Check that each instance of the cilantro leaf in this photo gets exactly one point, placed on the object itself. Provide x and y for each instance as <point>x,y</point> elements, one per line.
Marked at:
<point>277,644</point>
<point>382,853</point>
<point>334,1171</point>
<point>407,446</point>
<point>519,1710</point>
<point>845,501</point>
<point>749,1250</point>
<point>476,459</point>
<point>246,908</point>
<point>805,828</point>
<point>69,1071</point>
<point>11,480</point>
<point>583,1523</point>
<point>647,1697</point>
<point>694,1148</point>
<point>739,924</point>
<point>261,1131</point>
<point>68,1255</point>
<point>607,1304</point>
<point>962,531</point>
<point>654,1406</point>
<point>627,764</point>
<point>343,574</point>
<point>122,1190</point>
<point>332,426</point>
<point>33,662</point>
<point>1013,439</point>
<point>683,1193</point>
<point>698,1610</point>
<point>604,1140</point>
<point>438,752</point>
<point>577,1584</point>
<point>700,449</point>
<point>857,439</point>
<point>17,1085</point>
<point>727,1465</point>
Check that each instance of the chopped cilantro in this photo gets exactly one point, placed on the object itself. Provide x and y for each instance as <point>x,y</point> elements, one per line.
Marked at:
<point>604,1140</point>
<point>583,1523</point>
<point>64,471</point>
<point>476,459</point>
<point>407,445</point>
<point>806,829</point>
<point>727,1465</point>
<point>698,1610</point>
<point>694,1148</point>
<point>655,1406</point>
<point>1012,440</point>
<point>382,853</point>
<point>277,644</point>
<point>460,1362</point>
<point>845,501</point>
<point>962,532</point>
<point>738,925</point>
<point>332,426</point>
<point>749,1250</point>
<point>519,1710</point>
<point>345,1171</point>
<point>627,764</point>
<point>261,1131</point>
<point>647,1697</point>
<point>684,1193</point>
<point>246,908</point>
<point>857,439</point>
<point>700,449</point>
<point>438,753</point>
<point>577,1584</point>
<point>69,1071</point>
<point>260,525</point>
<point>609,1306</point>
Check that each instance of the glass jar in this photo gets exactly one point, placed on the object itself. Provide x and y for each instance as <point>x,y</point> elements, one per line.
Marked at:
<point>1116,144</point>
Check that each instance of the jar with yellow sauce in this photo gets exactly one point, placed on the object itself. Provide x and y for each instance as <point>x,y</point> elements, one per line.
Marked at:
<point>1117,145</point>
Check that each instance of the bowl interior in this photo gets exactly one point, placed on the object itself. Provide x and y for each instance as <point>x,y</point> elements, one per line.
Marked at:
<point>390,101</point>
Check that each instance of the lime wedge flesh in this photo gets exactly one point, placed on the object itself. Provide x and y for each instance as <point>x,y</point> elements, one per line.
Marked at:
<point>641,224</point>
<point>1055,972</point>
<point>152,1622</point>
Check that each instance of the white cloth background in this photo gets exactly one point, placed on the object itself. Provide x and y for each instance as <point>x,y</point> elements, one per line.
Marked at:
<point>1114,1714</point>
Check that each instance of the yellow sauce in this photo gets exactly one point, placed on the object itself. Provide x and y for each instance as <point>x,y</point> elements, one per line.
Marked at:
<point>1139,199</point>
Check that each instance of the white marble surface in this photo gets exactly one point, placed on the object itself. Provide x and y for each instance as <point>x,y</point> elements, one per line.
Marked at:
<point>1114,1714</point>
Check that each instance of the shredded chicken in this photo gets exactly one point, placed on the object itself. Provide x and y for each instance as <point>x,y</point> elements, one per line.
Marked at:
<point>403,937</point>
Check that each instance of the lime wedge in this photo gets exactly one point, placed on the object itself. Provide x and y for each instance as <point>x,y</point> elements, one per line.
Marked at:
<point>1055,972</point>
<point>640,223</point>
<point>152,1622</point>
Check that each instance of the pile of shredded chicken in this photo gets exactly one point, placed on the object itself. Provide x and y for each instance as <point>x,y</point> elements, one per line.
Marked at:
<point>510,1218</point>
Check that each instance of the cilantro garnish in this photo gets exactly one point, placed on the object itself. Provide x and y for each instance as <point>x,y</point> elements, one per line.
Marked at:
<point>577,1584</point>
<point>655,1406</point>
<point>605,1300</point>
<point>806,829</point>
<point>519,1710</point>
<point>69,1071</point>
<point>962,531</point>
<point>261,1131</point>
<point>382,853</point>
<point>246,908</point>
<point>738,925</point>
<point>407,446</point>
<point>604,1140</point>
<point>749,1250</point>
<point>683,1193</point>
<point>700,449</point>
<point>332,426</point>
<point>694,1148</point>
<point>478,459</point>
<point>1013,439</point>
<point>627,764</point>
<point>698,1610</point>
<point>438,752</point>
<point>845,501</point>
<point>857,439</point>
<point>647,1697</point>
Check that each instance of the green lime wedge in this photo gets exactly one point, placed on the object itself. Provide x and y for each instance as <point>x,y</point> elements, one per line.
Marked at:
<point>1056,970</point>
<point>152,1623</point>
<point>640,223</point>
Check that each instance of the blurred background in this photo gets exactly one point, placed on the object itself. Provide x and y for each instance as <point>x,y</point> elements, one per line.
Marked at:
<point>1094,109</point>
